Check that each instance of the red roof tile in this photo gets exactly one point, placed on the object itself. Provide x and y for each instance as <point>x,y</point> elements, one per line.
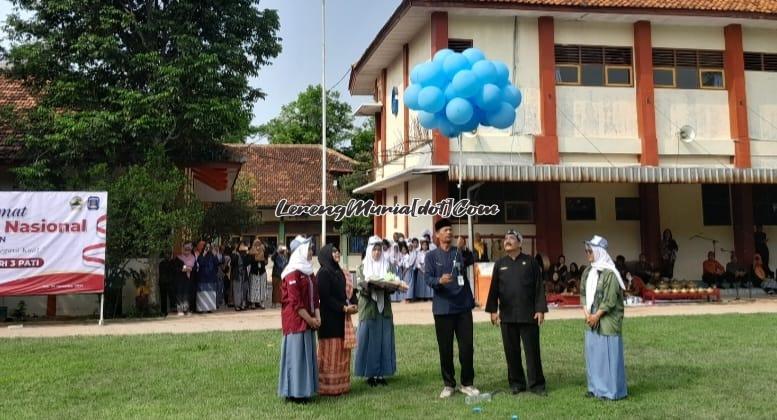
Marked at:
<point>291,172</point>
<point>732,6</point>
<point>14,94</point>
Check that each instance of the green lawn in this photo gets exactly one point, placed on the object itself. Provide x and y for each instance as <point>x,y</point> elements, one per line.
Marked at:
<point>677,367</point>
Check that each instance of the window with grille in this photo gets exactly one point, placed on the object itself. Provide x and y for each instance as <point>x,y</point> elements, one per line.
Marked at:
<point>760,62</point>
<point>688,69</point>
<point>459,45</point>
<point>589,65</point>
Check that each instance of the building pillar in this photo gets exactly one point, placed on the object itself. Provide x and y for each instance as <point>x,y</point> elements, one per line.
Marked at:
<point>650,223</point>
<point>51,305</point>
<point>378,222</point>
<point>643,76</point>
<point>742,212</point>
<point>547,219</point>
<point>546,144</point>
<point>734,68</point>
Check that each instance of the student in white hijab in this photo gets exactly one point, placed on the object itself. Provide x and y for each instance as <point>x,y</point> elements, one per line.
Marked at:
<point>602,298</point>
<point>375,349</point>
<point>300,316</point>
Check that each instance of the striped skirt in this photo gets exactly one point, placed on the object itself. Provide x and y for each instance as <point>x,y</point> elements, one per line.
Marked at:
<point>334,367</point>
<point>259,291</point>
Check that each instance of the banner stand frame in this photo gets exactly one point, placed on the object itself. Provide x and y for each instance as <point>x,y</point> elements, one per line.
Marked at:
<point>102,305</point>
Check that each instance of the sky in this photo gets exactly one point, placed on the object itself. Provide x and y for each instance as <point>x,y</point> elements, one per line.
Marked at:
<point>350,27</point>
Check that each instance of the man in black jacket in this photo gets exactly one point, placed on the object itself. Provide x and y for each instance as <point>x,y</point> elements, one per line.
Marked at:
<point>516,301</point>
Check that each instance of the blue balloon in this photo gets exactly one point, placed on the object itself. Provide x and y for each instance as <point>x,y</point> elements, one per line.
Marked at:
<point>489,98</point>
<point>502,73</point>
<point>440,56</point>
<point>429,73</point>
<point>458,111</point>
<point>511,95</point>
<point>473,55</point>
<point>503,118</point>
<point>427,120</point>
<point>411,96</point>
<point>446,128</point>
<point>466,83</point>
<point>455,63</point>
<point>414,74</point>
<point>431,99</point>
<point>472,124</point>
<point>450,92</point>
<point>485,71</point>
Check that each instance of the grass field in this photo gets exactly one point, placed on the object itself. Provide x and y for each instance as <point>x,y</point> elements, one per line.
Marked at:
<point>677,367</point>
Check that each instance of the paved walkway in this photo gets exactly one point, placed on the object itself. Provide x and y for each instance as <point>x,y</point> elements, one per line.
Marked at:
<point>404,314</point>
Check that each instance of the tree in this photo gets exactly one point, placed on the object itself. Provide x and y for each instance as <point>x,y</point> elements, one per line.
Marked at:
<point>127,92</point>
<point>239,215</point>
<point>299,122</point>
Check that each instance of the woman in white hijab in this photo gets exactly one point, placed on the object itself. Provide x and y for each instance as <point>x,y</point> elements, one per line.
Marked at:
<point>602,298</point>
<point>300,316</point>
<point>376,356</point>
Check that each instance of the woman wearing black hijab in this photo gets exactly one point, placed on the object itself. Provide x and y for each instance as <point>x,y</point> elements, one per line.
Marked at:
<point>336,336</point>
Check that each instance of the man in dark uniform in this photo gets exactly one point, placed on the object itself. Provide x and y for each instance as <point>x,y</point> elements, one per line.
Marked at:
<point>452,308</point>
<point>518,294</point>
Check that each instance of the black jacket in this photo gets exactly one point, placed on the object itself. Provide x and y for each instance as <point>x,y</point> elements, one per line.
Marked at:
<point>517,289</point>
<point>331,289</point>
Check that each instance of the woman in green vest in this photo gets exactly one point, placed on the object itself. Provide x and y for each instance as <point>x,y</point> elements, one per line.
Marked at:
<point>601,294</point>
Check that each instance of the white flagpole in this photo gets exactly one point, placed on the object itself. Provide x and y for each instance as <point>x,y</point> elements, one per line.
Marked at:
<point>323,120</point>
<point>102,305</point>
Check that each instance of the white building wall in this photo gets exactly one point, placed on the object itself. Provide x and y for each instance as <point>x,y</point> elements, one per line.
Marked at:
<point>681,212</point>
<point>394,123</point>
<point>693,37</point>
<point>704,110</point>
<point>761,102</point>
<point>420,188</point>
<point>624,236</point>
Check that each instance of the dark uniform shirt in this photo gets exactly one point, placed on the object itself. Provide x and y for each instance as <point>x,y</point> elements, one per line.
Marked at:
<point>449,299</point>
<point>517,288</point>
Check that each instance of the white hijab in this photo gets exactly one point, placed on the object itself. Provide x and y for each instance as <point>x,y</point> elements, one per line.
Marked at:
<point>299,259</point>
<point>375,269</point>
<point>602,261</point>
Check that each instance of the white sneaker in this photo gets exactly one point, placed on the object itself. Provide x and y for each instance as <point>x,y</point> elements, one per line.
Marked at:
<point>469,391</point>
<point>446,392</point>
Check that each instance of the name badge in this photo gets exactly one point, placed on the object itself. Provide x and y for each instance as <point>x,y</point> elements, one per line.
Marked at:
<point>502,268</point>
<point>461,280</point>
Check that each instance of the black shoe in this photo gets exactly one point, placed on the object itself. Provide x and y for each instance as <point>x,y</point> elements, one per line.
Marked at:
<point>372,382</point>
<point>517,390</point>
<point>590,394</point>
<point>381,381</point>
<point>540,392</point>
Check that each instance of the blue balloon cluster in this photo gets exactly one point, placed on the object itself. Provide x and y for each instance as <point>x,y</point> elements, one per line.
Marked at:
<point>457,92</point>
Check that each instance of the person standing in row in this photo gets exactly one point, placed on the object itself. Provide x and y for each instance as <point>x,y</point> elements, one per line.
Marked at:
<point>185,279</point>
<point>300,316</point>
<point>258,280</point>
<point>336,336</point>
<point>601,295</point>
<point>452,308</point>
<point>279,261</point>
<point>516,302</point>
<point>207,280</point>
<point>239,276</point>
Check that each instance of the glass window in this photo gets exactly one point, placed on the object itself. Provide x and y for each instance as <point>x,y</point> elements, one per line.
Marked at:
<point>711,79</point>
<point>619,76</point>
<point>663,77</point>
<point>687,78</point>
<point>592,75</point>
<point>567,74</point>
<point>581,208</point>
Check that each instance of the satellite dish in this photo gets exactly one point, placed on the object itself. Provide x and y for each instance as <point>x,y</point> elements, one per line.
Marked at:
<point>687,134</point>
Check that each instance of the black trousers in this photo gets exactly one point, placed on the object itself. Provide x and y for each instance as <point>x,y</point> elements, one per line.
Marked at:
<point>165,295</point>
<point>460,325</point>
<point>512,336</point>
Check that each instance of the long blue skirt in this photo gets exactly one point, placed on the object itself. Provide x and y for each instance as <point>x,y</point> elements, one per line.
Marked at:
<point>410,278</point>
<point>298,377</point>
<point>422,291</point>
<point>375,350</point>
<point>605,365</point>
